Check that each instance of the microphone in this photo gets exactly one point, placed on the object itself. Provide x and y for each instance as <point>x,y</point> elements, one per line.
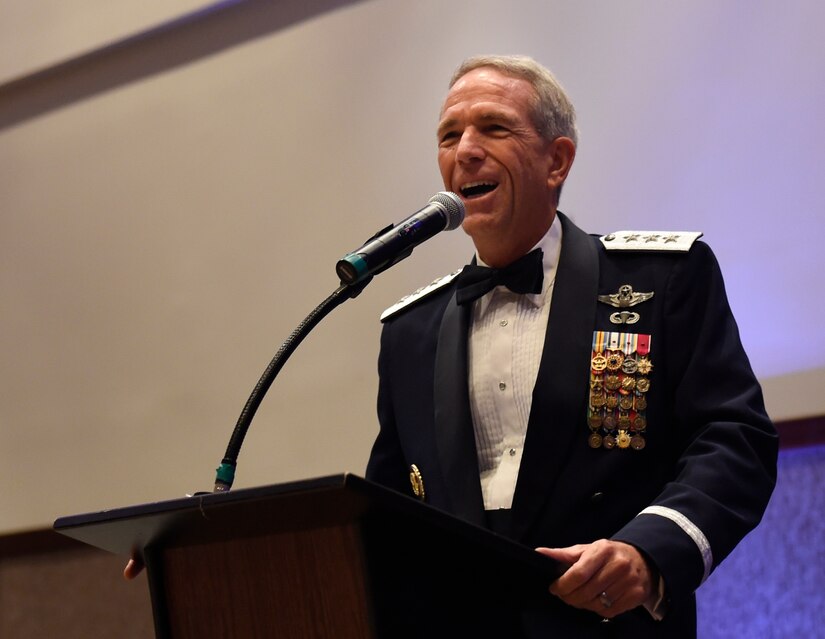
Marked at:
<point>444,212</point>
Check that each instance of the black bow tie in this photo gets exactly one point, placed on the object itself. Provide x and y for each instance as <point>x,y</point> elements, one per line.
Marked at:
<point>525,275</point>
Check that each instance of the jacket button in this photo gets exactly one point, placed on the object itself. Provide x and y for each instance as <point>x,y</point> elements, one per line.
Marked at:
<point>597,498</point>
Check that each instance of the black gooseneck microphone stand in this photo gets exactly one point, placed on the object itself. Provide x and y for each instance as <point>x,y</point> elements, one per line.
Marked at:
<point>226,471</point>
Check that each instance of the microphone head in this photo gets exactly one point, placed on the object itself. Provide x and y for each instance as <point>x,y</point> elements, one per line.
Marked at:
<point>452,206</point>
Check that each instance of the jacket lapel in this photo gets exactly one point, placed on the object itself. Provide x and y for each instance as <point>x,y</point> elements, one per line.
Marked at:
<point>558,411</point>
<point>454,436</point>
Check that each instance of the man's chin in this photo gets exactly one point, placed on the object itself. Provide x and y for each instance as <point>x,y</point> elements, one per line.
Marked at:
<point>481,227</point>
<point>477,223</point>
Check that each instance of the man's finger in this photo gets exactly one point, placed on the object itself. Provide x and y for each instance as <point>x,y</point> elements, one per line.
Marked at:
<point>569,555</point>
<point>132,569</point>
<point>591,560</point>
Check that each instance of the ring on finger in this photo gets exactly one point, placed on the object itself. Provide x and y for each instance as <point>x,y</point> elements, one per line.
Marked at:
<point>605,600</point>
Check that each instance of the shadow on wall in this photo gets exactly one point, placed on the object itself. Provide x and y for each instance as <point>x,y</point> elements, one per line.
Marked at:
<point>771,586</point>
<point>178,42</point>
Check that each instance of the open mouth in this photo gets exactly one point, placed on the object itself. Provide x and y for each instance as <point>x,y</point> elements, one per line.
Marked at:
<point>477,189</point>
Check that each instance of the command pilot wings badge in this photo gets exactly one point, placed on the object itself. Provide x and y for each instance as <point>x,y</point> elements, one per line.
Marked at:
<point>625,298</point>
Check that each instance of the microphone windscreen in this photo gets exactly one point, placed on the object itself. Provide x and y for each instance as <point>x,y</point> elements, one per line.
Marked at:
<point>453,207</point>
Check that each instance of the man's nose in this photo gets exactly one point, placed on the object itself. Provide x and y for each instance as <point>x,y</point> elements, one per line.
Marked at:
<point>469,148</point>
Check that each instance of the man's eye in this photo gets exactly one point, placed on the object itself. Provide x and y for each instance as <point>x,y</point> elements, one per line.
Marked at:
<point>448,137</point>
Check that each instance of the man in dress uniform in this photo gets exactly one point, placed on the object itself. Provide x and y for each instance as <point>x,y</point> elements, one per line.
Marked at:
<point>585,396</point>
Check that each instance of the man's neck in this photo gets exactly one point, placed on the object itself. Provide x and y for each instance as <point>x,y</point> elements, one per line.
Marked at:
<point>498,254</point>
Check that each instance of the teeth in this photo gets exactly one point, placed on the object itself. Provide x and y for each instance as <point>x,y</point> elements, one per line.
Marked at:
<point>473,189</point>
<point>470,185</point>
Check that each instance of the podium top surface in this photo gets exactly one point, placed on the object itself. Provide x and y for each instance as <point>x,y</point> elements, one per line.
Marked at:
<point>319,502</point>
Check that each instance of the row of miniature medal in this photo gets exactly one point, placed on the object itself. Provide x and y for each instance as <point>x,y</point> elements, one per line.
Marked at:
<point>619,366</point>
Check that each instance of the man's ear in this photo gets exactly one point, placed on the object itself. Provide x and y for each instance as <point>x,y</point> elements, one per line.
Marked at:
<point>563,152</point>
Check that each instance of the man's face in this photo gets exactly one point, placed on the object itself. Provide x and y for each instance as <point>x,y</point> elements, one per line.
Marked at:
<point>490,153</point>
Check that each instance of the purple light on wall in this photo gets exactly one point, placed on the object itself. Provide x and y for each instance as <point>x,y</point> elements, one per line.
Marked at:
<point>771,586</point>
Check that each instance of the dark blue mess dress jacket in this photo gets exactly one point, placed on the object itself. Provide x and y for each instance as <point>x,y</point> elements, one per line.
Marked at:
<point>701,480</point>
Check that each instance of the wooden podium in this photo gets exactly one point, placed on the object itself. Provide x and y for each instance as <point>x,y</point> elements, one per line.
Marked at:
<point>335,556</point>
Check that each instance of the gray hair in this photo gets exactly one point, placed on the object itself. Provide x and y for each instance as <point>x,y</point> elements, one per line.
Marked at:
<point>553,112</point>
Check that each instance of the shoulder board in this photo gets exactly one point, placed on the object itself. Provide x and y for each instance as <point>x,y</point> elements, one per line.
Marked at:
<point>676,241</point>
<point>420,294</point>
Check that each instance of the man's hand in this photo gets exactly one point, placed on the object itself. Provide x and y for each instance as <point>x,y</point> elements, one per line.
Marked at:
<point>607,577</point>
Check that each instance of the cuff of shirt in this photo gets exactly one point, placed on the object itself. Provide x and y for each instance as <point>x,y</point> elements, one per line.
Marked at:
<point>657,605</point>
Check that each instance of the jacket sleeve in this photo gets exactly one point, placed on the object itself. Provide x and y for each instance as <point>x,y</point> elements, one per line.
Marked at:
<point>386,465</point>
<point>725,446</point>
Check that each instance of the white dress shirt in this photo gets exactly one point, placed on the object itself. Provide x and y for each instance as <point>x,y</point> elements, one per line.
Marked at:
<point>506,340</point>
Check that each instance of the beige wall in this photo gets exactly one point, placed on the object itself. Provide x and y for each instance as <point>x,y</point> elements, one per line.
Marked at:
<point>160,239</point>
